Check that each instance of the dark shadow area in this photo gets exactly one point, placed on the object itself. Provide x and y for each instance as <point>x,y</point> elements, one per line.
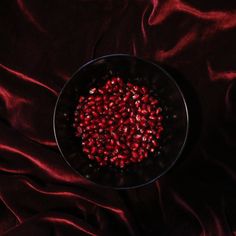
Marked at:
<point>194,109</point>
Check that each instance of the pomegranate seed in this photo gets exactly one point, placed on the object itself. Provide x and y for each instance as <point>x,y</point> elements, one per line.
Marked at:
<point>145,98</point>
<point>110,122</point>
<point>118,116</point>
<point>136,96</point>
<point>86,150</point>
<point>81,117</point>
<point>91,157</point>
<point>137,103</point>
<point>101,91</point>
<point>160,118</point>
<point>154,102</point>
<point>144,112</point>
<point>158,110</point>
<point>134,154</point>
<point>138,117</point>
<point>160,129</point>
<point>149,108</point>
<point>131,120</point>
<point>154,142</point>
<point>138,136</point>
<point>135,88</point>
<point>141,131</point>
<point>81,99</point>
<point>125,114</point>
<point>122,156</point>
<point>93,150</point>
<point>151,123</point>
<point>92,91</point>
<point>135,146</point>
<point>118,122</point>
<point>152,117</point>
<point>127,96</point>
<point>144,90</point>
<point>95,114</point>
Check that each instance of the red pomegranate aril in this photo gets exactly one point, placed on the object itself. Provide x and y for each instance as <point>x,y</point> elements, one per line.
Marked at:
<point>111,104</point>
<point>117,127</point>
<point>100,151</point>
<point>151,123</point>
<point>118,116</point>
<point>122,109</point>
<point>160,118</point>
<point>101,91</point>
<point>110,122</point>
<point>122,164</point>
<point>148,131</point>
<point>91,157</point>
<point>86,150</point>
<point>127,96</point>
<point>112,128</point>
<point>90,142</point>
<point>135,146</point>
<point>135,88</point>
<point>101,125</point>
<point>138,136</point>
<point>112,142</point>
<point>95,114</point>
<point>138,117</point>
<point>136,96</point>
<point>122,156</point>
<point>137,103</point>
<point>113,80</point>
<point>92,91</point>
<point>142,131</point>
<point>154,142</point>
<point>125,114</point>
<point>134,154</point>
<point>93,150</point>
<point>113,159</point>
<point>81,99</point>
<point>95,135</point>
<point>152,150</point>
<point>144,90</point>
<point>144,112</point>
<point>160,129</point>
<point>145,98</point>
<point>115,135</point>
<point>152,117</point>
<point>131,120</point>
<point>81,116</point>
<point>149,108</point>
<point>158,111</point>
<point>144,145</point>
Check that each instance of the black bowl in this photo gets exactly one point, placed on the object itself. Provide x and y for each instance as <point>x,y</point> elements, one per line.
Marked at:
<point>139,72</point>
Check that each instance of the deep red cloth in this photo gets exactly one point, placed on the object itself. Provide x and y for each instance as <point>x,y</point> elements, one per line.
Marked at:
<point>43,42</point>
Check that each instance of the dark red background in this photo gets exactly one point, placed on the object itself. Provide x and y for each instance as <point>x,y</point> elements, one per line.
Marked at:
<point>43,42</point>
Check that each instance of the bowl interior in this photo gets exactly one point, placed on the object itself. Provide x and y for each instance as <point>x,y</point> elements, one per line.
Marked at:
<point>139,72</point>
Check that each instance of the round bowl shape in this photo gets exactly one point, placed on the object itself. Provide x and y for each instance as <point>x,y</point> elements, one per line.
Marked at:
<point>139,72</point>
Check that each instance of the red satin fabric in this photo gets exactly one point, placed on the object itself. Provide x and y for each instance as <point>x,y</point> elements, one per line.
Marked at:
<point>42,43</point>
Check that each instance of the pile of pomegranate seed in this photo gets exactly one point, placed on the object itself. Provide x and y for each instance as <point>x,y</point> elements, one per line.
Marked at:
<point>119,123</point>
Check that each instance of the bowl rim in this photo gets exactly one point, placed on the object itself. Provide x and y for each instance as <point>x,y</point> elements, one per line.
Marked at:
<point>143,60</point>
